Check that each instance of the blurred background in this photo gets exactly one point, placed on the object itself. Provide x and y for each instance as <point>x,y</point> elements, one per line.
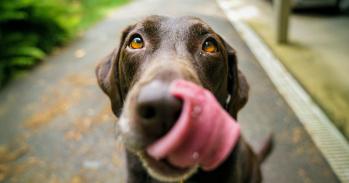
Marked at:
<point>30,29</point>
<point>56,125</point>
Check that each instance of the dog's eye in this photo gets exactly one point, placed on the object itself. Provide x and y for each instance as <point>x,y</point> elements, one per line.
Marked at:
<point>210,46</point>
<point>136,42</point>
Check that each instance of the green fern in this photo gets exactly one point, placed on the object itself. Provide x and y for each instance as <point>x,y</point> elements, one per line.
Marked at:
<point>30,29</point>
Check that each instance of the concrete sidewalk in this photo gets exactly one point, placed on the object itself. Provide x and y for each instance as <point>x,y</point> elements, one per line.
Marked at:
<point>317,53</point>
<point>56,125</point>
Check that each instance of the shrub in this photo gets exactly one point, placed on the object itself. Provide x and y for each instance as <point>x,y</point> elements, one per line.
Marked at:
<point>29,29</point>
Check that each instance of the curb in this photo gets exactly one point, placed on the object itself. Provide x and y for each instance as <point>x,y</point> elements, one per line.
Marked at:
<point>324,134</point>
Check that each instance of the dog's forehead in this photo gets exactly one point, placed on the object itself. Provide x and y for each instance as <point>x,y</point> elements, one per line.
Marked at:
<point>176,26</point>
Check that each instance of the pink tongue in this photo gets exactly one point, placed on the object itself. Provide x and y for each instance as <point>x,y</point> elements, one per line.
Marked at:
<point>204,134</point>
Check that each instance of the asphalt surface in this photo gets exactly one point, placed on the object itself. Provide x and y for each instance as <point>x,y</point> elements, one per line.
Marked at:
<point>56,124</point>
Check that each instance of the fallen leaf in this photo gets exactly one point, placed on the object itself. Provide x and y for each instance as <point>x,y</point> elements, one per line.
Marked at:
<point>80,53</point>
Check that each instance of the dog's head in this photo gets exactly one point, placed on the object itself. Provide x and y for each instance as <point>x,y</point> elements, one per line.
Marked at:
<point>137,76</point>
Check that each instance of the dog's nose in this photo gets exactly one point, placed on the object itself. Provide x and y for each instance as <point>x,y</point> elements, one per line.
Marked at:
<point>157,110</point>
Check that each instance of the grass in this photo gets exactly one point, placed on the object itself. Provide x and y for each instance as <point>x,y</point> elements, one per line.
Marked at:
<point>94,10</point>
<point>313,71</point>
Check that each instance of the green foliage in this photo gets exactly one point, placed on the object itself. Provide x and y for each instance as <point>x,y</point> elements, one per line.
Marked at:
<point>93,10</point>
<point>30,29</point>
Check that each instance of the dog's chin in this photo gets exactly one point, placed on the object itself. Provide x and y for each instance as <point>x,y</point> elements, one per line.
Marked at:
<point>163,171</point>
<point>159,169</point>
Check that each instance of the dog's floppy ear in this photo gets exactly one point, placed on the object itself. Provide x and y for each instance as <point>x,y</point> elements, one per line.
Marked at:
<point>107,75</point>
<point>237,84</point>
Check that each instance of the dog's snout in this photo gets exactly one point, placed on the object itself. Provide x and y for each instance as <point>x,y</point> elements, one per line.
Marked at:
<point>157,110</point>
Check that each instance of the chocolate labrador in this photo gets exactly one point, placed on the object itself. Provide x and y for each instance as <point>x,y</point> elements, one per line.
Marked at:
<point>136,77</point>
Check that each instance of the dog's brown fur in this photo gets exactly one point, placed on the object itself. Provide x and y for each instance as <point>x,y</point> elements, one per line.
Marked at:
<point>173,50</point>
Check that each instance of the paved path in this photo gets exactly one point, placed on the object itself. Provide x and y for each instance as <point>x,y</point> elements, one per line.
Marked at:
<point>56,125</point>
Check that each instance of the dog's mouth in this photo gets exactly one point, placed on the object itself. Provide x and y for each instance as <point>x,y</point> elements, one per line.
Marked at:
<point>163,170</point>
<point>203,136</point>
